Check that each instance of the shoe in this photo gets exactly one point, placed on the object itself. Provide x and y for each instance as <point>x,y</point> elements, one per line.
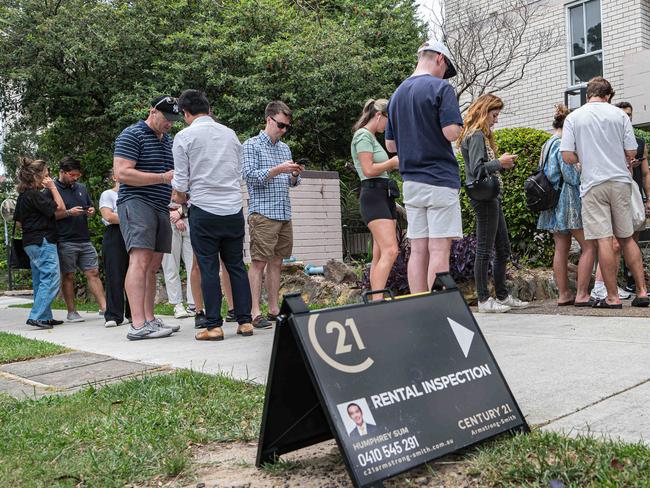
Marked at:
<point>54,322</point>
<point>623,294</point>
<point>214,334</point>
<point>630,288</point>
<point>271,317</point>
<point>41,324</point>
<point>199,320</point>
<point>110,323</point>
<point>513,303</point>
<point>245,329</point>
<point>162,325</point>
<point>191,311</point>
<point>260,322</point>
<point>148,331</point>
<point>180,312</point>
<point>74,317</point>
<point>492,306</point>
<point>128,320</point>
<point>230,316</point>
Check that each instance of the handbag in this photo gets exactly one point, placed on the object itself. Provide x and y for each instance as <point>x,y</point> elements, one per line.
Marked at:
<point>540,194</point>
<point>638,209</point>
<point>484,188</point>
<point>18,258</point>
<point>393,189</point>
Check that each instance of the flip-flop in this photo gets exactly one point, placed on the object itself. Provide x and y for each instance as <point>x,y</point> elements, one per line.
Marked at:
<point>589,303</point>
<point>567,303</point>
<point>603,304</point>
<point>641,302</point>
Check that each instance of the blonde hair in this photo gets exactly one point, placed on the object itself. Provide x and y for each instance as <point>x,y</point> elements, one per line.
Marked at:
<point>30,173</point>
<point>370,109</point>
<point>477,118</point>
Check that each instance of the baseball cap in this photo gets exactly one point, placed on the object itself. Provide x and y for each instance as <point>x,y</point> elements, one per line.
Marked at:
<point>168,106</point>
<point>439,47</point>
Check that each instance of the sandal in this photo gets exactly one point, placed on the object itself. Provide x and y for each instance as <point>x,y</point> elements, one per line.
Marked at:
<point>641,302</point>
<point>602,303</point>
<point>567,303</point>
<point>589,303</point>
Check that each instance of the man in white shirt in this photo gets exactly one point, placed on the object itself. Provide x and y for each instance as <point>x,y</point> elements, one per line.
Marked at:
<point>208,159</point>
<point>600,137</point>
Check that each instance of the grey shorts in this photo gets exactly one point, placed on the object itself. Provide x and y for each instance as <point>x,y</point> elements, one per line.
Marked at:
<point>144,227</point>
<point>77,255</point>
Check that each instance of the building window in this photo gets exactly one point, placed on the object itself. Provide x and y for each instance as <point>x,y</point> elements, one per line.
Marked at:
<point>585,42</point>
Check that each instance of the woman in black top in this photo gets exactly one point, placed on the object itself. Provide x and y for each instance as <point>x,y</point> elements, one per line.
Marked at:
<point>35,212</point>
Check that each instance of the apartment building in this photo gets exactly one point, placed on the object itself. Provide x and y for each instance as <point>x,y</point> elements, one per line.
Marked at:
<point>610,38</point>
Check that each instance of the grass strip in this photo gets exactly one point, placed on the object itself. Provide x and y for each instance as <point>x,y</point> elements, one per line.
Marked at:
<point>124,433</point>
<point>16,348</point>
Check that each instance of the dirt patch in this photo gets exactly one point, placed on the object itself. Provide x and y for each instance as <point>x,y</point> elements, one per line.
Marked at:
<point>232,465</point>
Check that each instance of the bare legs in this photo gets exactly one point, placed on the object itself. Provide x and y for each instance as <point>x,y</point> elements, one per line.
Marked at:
<point>140,284</point>
<point>428,257</point>
<point>384,253</point>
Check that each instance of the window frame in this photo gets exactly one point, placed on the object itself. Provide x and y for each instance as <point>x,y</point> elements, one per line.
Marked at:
<point>569,44</point>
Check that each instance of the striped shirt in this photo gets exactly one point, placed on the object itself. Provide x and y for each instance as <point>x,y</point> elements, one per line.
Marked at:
<point>151,155</point>
<point>268,197</point>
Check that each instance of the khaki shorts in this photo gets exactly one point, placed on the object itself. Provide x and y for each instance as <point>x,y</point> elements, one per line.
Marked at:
<point>269,238</point>
<point>607,211</point>
<point>432,211</point>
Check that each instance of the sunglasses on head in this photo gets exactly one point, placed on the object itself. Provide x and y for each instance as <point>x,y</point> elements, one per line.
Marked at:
<point>281,125</point>
<point>169,100</point>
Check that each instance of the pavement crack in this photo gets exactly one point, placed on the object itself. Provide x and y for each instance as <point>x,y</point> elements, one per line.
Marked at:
<point>592,404</point>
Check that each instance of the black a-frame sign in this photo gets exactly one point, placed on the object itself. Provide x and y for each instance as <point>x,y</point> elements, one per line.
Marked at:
<point>396,383</point>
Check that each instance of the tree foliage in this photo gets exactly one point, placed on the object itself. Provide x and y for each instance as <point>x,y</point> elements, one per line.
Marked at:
<point>73,73</point>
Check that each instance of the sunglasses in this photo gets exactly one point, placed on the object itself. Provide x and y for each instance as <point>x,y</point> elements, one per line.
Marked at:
<point>281,125</point>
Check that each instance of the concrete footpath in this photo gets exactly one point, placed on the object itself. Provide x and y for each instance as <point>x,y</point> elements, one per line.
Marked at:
<point>569,373</point>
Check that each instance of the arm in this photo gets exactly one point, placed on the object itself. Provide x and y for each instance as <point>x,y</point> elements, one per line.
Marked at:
<point>109,216</point>
<point>255,176</point>
<point>568,143</point>
<point>125,172</point>
<point>181,180</point>
<point>371,169</point>
<point>646,175</point>
<point>476,152</point>
<point>452,132</point>
<point>56,196</point>
<point>570,157</point>
<point>391,147</point>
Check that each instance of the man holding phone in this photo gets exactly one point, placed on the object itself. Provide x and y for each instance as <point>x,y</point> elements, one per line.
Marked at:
<point>74,246</point>
<point>269,171</point>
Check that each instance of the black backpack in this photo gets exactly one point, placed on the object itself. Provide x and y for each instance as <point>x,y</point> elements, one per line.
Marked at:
<point>540,194</point>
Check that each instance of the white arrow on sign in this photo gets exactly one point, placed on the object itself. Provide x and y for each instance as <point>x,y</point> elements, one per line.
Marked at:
<point>464,336</point>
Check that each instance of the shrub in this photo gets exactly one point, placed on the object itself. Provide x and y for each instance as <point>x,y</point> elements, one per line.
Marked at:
<point>529,246</point>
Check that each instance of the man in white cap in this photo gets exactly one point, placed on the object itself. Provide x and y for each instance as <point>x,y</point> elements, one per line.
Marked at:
<point>423,120</point>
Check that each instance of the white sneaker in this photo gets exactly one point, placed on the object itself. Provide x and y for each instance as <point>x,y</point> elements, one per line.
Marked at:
<point>623,294</point>
<point>191,311</point>
<point>180,312</point>
<point>492,306</point>
<point>110,323</point>
<point>599,292</point>
<point>513,302</point>
<point>162,325</point>
<point>74,317</point>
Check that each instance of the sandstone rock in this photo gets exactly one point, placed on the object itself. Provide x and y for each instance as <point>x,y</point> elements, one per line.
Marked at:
<point>339,272</point>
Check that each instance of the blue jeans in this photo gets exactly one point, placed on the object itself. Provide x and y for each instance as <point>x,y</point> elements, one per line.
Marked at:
<point>46,278</point>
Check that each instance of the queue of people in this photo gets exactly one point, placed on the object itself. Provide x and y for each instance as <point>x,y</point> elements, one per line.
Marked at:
<point>171,192</point>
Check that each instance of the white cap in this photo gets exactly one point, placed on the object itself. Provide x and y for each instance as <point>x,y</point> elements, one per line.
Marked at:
<point>439,47</point>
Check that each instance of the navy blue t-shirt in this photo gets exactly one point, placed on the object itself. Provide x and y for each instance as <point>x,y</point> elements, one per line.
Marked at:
<point>417,112</point>
<point>151,155</point>
<point>73,229</point>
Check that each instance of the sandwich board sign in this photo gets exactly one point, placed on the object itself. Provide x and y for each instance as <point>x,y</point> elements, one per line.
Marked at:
<point>396,383</point>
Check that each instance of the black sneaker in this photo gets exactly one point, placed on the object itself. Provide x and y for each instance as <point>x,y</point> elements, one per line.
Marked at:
<point>630,288</point>
<point>41,324</point>
<point>199,320</point>
<point>54,322</point>
<point>230,317</point>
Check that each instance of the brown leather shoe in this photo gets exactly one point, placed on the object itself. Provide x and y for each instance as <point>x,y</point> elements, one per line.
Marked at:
<point>245,329</point>
<point>215,334</point>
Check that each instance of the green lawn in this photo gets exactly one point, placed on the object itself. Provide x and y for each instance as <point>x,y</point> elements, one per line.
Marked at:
<point>16,348</point>
<point>124,433</point>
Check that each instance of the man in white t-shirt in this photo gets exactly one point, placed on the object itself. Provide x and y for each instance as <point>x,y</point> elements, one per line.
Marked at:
<point>601,138</point>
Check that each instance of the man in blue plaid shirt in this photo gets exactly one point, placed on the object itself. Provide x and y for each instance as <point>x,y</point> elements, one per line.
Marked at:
<point>269,172</point>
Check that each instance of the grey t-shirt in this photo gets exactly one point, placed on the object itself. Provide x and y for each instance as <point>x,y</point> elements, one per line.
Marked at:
<point>600,134</point>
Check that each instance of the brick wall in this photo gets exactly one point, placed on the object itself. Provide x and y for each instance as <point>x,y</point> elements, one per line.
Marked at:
<point>316,218</point>
<point>626,30</point>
